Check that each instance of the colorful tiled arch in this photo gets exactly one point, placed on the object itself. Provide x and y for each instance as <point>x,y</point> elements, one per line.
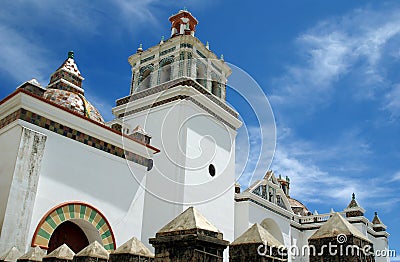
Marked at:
<point>68,211</point>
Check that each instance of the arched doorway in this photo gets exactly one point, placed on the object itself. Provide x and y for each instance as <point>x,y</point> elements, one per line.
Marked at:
<point>89,220</point>
<point>68,233</point>
<point>272,227</point>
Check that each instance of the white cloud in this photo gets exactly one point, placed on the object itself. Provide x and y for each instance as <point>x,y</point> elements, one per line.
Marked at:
<point>396,177</point>
<point>392,101</point>
<point>25,53</point>
<point>21,58</point>
<point>349,45</point>
<point>313,185</point>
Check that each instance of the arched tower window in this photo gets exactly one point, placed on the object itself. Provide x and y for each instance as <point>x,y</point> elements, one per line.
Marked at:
<point>145,77</point>
<point>215,86</point>
<point>201,73</point>
<point>165,70</point>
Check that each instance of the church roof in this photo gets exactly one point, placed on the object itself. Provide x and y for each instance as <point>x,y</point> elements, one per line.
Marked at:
<point>62,252</point>
<point>94,250</point>
<point>70,65</point>
<point>65,89</point>
<point>11,255</point>
<point>257,235</point>
<point>189,219</point>
<point>353,203</point>
<point>335,226</point>
<point>376,220</point>
<point>75,102</point>
<point>296,204</point>
<point>34,254</point>
<point>134,247</point>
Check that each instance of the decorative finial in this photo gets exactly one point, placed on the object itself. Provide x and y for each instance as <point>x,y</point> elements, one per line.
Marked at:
<point>71,54</point>
<point>376,213</point>
<point>208,45</point>
<point>184,8</point>
<point>353,196</point>
<point>222,57</point>
<point>140,49</point>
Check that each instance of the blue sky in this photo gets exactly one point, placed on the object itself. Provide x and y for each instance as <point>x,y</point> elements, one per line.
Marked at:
<point>328,68</point>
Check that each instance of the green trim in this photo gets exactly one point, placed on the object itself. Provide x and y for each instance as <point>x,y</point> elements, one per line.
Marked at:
<point>82,211</point>
<point>51,222</point>
<point>109,246</point>
<point>93,214</point>
<point>106,234</point>
<point>100,224</point>
<point>71,208</point>
<point>67,212</point>
<point>60,213</point>
<point>44,234</point>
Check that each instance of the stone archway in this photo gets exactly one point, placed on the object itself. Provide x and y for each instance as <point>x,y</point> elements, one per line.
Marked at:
<point>88,222</point>
<point>272,227</point>
<point>68,233</point>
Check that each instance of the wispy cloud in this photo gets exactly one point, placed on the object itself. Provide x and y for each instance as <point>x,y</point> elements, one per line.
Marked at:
<point>21,58</point>
<point>392,101</point>
<point>25,53</point>
<point>315,186</point>
<point>330,171</point>
<point>349,46</point>
<point>396,177</point>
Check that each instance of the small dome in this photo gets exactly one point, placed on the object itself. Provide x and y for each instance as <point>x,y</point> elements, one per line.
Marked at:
<point>298,207</point>
<point>74,102</point>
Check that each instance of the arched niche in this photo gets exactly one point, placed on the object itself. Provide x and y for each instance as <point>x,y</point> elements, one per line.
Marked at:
<point>273,228</point>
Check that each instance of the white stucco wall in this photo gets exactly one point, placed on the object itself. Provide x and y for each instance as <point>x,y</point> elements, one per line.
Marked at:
<point>189,140</point>
<point>72,171</point>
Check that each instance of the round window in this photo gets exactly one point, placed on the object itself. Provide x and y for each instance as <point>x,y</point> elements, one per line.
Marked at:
<point>211,170</point>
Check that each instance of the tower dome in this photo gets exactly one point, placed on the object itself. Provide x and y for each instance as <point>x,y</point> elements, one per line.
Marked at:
<point>65,89</point>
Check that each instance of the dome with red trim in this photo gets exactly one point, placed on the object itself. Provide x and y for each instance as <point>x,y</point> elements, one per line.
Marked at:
<point>65,89</point>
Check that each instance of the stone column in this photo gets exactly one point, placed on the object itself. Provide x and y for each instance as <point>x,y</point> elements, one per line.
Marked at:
<point>257,244</point>
<point>34,254</point>
<point>132,251</point>
<point>61,254</point>
<point>189,237</point>
<point>95,252</point>
<point>18,214</point>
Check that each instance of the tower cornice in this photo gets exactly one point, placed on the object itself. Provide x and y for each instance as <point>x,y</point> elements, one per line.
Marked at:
<point>178,44</point>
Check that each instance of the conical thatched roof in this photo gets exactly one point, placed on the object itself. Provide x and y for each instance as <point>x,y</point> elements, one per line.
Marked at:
<point>134,247</point>
<point>34,254</point>
<point>257,235</point>
<point>189,219</point>
<point>335,226</point>
<point>95,249</point>
<point>62,252</point>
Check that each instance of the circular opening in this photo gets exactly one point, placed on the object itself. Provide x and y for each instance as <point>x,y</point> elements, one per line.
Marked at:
<point>211,170</point>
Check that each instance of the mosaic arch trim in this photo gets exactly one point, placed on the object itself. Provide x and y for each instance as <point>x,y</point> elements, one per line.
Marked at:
<point>73,210</point>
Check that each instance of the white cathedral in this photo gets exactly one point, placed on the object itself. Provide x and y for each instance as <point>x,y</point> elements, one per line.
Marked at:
<point>66,176</point>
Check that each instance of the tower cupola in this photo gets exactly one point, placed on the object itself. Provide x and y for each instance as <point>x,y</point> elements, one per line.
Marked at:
<point>183,23</point>
<point>67,76</point>
<point>354,209</point>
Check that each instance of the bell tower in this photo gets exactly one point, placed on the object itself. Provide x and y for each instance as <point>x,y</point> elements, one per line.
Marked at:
<point>183,23</point>
<point>178,95</point>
